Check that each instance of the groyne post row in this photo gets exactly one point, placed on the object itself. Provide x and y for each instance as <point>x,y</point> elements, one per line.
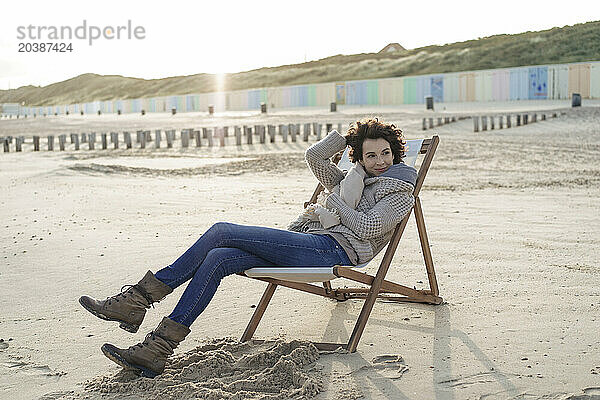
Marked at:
<point>441,120</point>
<point>188,137</point>
<point>480,123</point>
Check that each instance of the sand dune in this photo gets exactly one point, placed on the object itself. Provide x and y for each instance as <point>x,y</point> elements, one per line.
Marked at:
<point>552,46</point>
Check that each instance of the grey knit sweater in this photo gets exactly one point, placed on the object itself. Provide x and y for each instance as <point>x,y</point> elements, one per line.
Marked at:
<point>386,199</point>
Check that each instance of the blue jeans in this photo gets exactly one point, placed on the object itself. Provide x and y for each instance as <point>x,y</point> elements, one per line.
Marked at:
<point>226,249</point>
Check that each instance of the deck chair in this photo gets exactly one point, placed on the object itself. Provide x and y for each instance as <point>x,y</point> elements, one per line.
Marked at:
<point>302,278</point>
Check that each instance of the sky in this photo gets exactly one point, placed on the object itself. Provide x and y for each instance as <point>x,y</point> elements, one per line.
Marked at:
<point>182,38</point>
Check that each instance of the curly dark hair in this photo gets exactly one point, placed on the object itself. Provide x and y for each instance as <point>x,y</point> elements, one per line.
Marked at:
<point>373,129</point>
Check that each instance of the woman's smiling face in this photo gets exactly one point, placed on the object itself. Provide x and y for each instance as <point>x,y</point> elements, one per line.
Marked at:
<point>377,156</point>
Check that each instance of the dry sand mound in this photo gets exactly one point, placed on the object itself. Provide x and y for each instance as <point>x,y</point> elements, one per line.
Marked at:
<point>222,369</point>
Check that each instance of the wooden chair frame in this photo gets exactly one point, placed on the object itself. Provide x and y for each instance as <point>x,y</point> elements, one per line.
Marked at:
<point>378,286</point>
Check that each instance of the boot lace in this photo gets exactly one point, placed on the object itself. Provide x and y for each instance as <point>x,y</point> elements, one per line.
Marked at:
<point>125,290</point>
<point>148,336</point>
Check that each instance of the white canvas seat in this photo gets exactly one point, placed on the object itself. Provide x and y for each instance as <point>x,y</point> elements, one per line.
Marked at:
<point>298,274</point>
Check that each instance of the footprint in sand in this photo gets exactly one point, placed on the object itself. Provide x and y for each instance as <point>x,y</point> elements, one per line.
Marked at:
<point>14,364</point>
<point>391,365</point>
<point>56,395</point>
<point>31,369</point>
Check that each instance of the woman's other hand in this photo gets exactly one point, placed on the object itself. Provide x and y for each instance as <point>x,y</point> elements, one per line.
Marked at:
<point>322,198</point>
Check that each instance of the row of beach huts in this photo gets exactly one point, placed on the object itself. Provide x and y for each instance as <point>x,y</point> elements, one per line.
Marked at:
<point>557,81</point>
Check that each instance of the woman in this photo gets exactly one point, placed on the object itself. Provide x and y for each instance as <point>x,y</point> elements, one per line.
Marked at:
<point>352,223</point>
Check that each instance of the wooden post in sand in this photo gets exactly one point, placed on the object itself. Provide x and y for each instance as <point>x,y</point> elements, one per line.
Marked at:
<point>248,133</point>
<point>237,131</point>
<point>306,132</point>
<point>328,128</point>
<point>483,123</point>
<point>476,124</point>
<point>169,138</point>
<point>283,130</point>
<point>50,142</point>
<point>185,138</point>
<point>290,130</point>
<point>115,139</point>
<point>446,120</point>
<point>534,118</point>
<point>525,119</point>
<point>141,139</point>
<point>491,122</point>
<point>318,131</point>
<point>61,142</point>
<point>500,122</point>
<point>92,140</point>
<point>210,134</point>
<point>104,142</point>
<point>508,121</point>
<point>263,133</point>
<point>73,137</point>
<point>157,138</point>
<point>76,142</point>
<point>127,139</point>
<point>439,121</point>
<point>36,143</point>
<point>261,136</point>
<point>148,136</point>
<point>18,141</point>
<point>518,119</point>
<point>543,117</point>
<point>272,133</point>
<point>198,138</point>
<point>424,126</point>
<point>221,136</point>
<point>6,145</point>
<point>83,138</point>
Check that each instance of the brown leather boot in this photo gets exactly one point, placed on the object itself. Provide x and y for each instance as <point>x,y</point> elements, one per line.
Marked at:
<point>149,357</point>
<point>128,307</point>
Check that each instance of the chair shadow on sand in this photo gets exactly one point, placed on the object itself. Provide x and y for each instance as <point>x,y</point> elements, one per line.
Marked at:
<point>441,333</point>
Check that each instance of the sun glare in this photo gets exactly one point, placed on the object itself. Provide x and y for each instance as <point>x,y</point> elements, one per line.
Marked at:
<point>220,89</point>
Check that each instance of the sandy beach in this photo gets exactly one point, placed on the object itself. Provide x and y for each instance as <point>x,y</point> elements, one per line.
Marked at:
<point>513,219</point>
